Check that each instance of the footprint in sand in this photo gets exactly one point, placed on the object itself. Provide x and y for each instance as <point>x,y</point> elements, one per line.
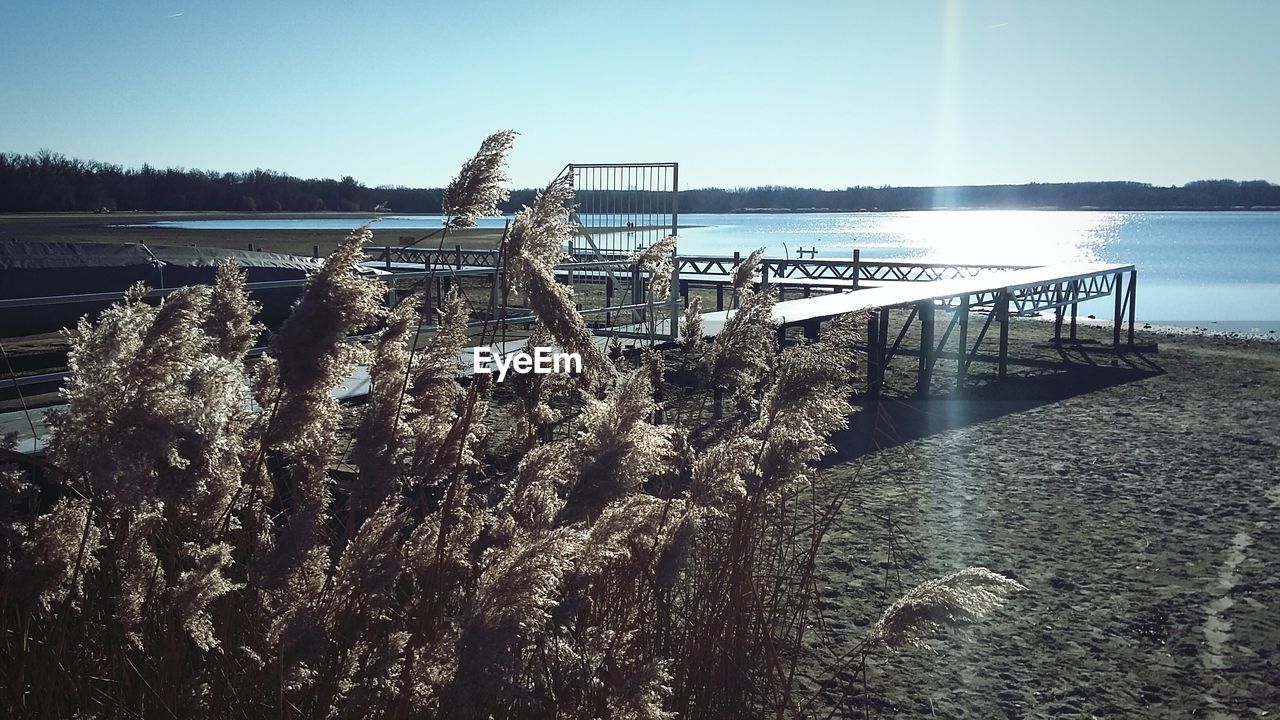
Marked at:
<point>1217,629</point>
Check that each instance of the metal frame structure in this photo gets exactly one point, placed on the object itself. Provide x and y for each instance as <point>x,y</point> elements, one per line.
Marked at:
<point>1002,291</point>
<point>621,208</point>
<point>1060,294</point>
<point>1063,295</point>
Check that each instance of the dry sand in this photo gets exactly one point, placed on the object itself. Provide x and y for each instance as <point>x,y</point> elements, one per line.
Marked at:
<point>1138,504</point>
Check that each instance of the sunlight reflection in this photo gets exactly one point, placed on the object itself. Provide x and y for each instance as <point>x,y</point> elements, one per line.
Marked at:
<point>1017,237</point>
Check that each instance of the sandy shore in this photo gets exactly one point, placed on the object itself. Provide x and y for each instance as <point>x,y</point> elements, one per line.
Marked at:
<point>1137,504</point>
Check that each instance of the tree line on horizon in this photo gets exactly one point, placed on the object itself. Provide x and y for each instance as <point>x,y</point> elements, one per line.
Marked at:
<point>51,182</point>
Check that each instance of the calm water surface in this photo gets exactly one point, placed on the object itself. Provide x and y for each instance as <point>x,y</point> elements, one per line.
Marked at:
<point>1193,267</point>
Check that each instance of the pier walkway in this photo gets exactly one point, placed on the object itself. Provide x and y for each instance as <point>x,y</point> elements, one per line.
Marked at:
<point>927,290</point>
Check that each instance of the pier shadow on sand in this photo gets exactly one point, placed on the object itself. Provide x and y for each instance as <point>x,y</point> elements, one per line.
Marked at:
<point>1058,372</point>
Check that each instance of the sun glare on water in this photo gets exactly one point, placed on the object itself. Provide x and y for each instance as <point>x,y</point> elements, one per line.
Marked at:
<point>1014,237</point>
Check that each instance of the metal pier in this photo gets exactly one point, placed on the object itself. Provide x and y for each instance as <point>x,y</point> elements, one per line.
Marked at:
<point>931,293</point>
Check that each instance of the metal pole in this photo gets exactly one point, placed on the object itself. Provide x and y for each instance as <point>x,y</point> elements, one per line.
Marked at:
<point>493,292</point>
<point>675,198</point>
<point>962,365</point>
<point>1115,331</point>
<point>1133,300</point>
<point>1075,306</point>
<point>1002,308</point>
<point>882,349</point>
<point>925,372</point>
<point>572,259</point>
<point>673,300</point>
<point>637,285</point>
<point>873,353</point>
<point>857,266</point>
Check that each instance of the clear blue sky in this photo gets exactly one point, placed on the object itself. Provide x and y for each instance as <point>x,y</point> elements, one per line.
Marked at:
<point>824,94</point>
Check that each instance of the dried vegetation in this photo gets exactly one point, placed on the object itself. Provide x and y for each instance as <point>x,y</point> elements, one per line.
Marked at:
<point>190,551</point>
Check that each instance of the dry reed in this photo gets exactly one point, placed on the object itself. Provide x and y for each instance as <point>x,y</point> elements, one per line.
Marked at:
<point>198,555</point>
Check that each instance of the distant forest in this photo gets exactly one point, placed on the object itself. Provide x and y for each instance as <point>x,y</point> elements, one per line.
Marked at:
<point>50,182</point>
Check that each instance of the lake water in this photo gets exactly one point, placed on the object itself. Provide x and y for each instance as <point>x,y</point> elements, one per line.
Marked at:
<point>1219,269</point>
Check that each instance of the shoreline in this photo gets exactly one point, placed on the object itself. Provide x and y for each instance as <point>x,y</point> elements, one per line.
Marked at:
<point>1267,331</point>
<point>1120,496</point>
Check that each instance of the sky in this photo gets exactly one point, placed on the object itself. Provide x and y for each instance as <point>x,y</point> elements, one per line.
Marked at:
<point>811,93</point>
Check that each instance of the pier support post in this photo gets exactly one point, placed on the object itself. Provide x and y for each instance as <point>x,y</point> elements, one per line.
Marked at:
<point>924,375</point>
<point>1133,300</point>
<point>812,329</point>
<point>1075,306</point>
<point>719,296</point>
<point>875,358</point>
<point>1118,279</point>
<point>882,351</point>
<point>1057,313</point>
<point>1002,314</point>
<point>857,266</point>
<point>962,352</point>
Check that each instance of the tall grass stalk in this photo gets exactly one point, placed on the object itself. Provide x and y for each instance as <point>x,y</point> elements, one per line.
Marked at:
<point>201,546</point>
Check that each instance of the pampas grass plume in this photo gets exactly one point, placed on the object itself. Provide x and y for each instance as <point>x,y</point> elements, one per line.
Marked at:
<point>950,601</point>
<point>477,190</point>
